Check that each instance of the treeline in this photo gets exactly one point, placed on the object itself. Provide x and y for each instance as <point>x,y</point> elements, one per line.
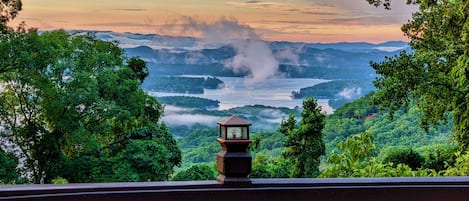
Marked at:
<point>185,85</point>
<point>346,89</point>
<point>189,102</point>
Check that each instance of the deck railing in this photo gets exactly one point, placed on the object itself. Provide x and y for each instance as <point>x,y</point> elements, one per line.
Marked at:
<point>352,189</point>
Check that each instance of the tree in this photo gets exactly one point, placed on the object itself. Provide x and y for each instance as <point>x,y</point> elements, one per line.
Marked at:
<point>139,67</point>
<point>435,74</point>
<point>304,146</point>
<point>73,99</point>
<point>8,164</point>
<point>269,167</point>
<point>356,157</point>
<point>195,173</point>
<point>355,153</point>
<point>407,156</point>
<point>8,11</point>
<point>288,125</point>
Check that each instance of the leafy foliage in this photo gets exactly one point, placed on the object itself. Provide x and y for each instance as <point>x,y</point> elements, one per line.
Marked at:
<point>8,164</point>
<point>139,67</point>
<point>8,11</point>
<point>435,74</point>
<point>440,158</point>
<point>304,146</point>
<point>191,85</point>
<point>200,146</point>
<point>461,167</point>
<point>195,173</point>
<point>357,158</point>
<point>359,116</point>
<point>269,167</point>
<point>189,101</point>
<point>331,89</point>
<point>407,157</point>
<point>73,102</point>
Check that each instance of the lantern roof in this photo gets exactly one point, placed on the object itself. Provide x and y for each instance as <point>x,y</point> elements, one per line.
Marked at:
<point>234,121</point>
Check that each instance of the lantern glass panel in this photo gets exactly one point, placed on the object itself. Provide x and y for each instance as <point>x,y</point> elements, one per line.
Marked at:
<point>222,132</point>
<point>234,133</point>
<point>245,132</point>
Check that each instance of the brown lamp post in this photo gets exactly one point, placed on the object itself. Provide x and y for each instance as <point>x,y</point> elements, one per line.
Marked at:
<point>233,161</point>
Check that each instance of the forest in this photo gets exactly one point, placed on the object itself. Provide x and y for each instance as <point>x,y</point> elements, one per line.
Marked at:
<point>189,102</point>
<point>73,110</point>
<point>184,85</point>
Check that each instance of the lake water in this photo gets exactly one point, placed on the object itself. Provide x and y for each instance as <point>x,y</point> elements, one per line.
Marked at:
<point>274,92</point>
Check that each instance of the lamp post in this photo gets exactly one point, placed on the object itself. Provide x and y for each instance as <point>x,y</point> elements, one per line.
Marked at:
<point>233,161</point>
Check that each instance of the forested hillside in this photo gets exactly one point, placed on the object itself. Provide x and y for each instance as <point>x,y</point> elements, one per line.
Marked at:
<point>388,136</point>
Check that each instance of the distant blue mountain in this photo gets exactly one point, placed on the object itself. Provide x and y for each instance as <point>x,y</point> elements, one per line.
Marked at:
<point>172,55</point>
<point>347,46</point>
<point>343,62</point>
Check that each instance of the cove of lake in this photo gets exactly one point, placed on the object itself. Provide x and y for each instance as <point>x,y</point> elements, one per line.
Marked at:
<point>239,92</point>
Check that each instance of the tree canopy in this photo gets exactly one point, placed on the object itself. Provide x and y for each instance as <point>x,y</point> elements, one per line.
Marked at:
<point>304,145</point>
<point>68,99</point>
<point>434,74</point>
<point>8,11</point>
<point>8,164</point>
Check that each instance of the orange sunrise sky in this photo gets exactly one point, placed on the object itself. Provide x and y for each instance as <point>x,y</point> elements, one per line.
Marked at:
<point>287,20</point>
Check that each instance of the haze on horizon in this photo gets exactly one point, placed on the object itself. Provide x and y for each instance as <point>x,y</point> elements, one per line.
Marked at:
<point>275,20</point>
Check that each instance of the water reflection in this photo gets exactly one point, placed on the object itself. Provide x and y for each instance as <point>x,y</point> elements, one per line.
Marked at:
<point>274,92</point>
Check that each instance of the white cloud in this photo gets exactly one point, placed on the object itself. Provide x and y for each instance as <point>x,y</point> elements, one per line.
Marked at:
<point>253,55</point>
<point>183,116</point>
<point>317,9</point>
<point>190,119</point>
<point>351,93</point>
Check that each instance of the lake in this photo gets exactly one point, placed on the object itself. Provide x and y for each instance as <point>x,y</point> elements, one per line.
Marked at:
<point>274,92</point>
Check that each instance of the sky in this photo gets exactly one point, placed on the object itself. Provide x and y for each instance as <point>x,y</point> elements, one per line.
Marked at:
<point>275,20</point>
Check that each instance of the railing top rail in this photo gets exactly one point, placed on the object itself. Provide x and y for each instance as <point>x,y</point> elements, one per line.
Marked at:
<point>339,189</point>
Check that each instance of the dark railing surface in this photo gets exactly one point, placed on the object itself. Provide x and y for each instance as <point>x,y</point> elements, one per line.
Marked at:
<point>363,189</point>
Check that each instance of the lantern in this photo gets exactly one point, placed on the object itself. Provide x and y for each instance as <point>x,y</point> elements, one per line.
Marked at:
<point>233,161</point>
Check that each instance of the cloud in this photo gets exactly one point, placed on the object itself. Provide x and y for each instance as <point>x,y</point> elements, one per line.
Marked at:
<point>190,119</point>
<point>316,9</point>
<point>289,55</point>
<point>253,55</point>
<point>336,12</point>
<point>117,24</point>
<point>183,116</point>
<point>389,48</point>
<point>253,1</point>
<point>366,14</point>
<point>131,9</point>
<point>350,93</point>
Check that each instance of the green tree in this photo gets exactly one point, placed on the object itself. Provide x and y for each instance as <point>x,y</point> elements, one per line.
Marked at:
<point>440,158</point>
<point>269,167</point>
<point>8,164</point>
<point>407,156</point>
<point>435,74</point>
<point>356,157</point>
<point>287,125</point>
<point>461,166</point>
<point>8,11</point>
<point>139,67</point>
<point>355,153</point>
<point>73,99</point>
<point>195,173</point>
<point>304,146</point>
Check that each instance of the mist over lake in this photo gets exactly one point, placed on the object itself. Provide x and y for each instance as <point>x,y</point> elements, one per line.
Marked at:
<point>239,92</point>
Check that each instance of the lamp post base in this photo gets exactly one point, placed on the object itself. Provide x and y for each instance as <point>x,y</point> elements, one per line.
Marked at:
<point>233,180</point>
